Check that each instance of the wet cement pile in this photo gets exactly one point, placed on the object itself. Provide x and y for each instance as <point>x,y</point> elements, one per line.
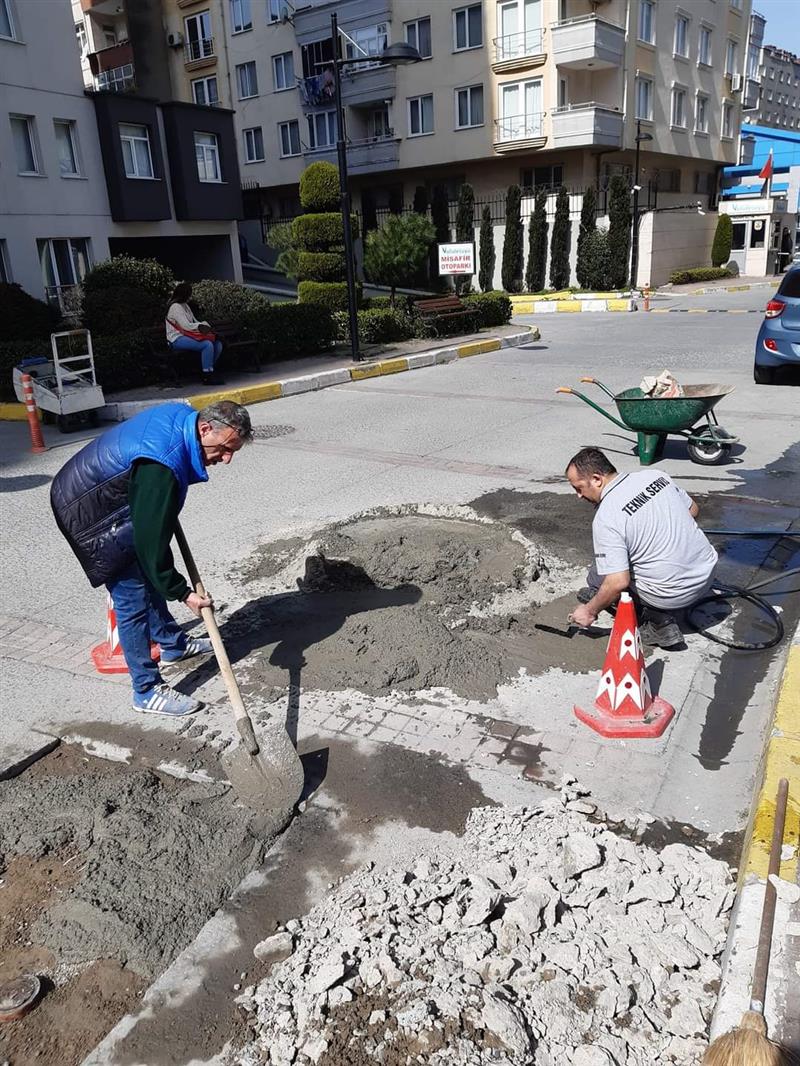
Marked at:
<point>156,858</point>
<point>402,602</point>
<point>545,939</point>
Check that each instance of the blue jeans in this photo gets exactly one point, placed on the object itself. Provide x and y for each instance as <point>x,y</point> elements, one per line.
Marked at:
<point>142,616</point>
<point>210,351</point>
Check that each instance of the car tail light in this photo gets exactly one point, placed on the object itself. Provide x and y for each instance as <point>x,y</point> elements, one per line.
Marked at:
<point>774,308</point>
<point>770,345</point>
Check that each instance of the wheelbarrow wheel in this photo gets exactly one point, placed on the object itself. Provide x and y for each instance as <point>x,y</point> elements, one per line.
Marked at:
<point>708,451</point>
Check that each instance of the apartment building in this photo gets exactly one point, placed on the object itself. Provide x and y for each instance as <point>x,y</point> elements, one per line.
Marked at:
<point>85,175</point>
<point>779,103</point>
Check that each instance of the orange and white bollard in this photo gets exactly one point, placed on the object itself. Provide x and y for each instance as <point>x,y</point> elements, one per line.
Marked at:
<point>108,657</point>
<point>647,298</point>
<point>37,440</point>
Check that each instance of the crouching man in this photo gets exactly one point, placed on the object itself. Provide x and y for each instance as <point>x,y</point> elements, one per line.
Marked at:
<point>645,540</point>
<point>117,502</point>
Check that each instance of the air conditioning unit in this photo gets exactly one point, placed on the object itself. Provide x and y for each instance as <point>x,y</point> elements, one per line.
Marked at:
<point>737,83</point>
<point>175,40</point>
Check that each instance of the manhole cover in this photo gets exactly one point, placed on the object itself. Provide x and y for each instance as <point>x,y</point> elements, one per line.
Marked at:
<point>267,432</point>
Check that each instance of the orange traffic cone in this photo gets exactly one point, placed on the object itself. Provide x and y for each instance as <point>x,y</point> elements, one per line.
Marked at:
<point>625,706</point>
<point>107,657</point>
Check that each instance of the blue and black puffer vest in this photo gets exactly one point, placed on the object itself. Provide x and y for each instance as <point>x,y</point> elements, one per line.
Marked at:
<point>89,495</point>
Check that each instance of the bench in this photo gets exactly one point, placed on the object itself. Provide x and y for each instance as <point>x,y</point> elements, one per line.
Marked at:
<point>444,309</point>
<point>177,366</point>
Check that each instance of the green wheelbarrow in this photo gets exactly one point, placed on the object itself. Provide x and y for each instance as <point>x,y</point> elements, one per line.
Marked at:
<point>690,416</point>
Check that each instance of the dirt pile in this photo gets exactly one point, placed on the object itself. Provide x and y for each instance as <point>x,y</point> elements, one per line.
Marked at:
<point>156,857</point>
<point>546,939</point>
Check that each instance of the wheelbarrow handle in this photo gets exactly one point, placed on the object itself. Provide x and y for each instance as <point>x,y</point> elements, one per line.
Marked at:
<point>600,385</point>
<point>591,403</point>
<point>565,388</point>
<point>589,381</point>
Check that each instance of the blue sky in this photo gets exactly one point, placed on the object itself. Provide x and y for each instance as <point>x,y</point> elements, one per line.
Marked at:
<point>783,23</point>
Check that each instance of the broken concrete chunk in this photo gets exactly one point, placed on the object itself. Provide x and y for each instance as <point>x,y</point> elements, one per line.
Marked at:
<point>589,1055</point>
<point>507,1024</point>
<point>578,853</point>
<point>326,975</point>
<point>653,887</point>
<point>275,948</point>
<point>785,890</point>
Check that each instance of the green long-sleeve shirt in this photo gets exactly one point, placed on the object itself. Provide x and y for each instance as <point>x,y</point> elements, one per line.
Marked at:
<point>155,505</point>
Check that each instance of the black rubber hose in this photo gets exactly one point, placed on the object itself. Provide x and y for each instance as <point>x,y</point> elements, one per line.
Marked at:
<point>749,594</point>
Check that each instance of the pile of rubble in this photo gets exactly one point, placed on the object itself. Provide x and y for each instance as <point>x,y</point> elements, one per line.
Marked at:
<point>544,939</point>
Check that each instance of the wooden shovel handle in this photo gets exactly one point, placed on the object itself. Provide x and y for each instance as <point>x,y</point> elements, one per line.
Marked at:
<point>758,990</point>
<point>243,722</point>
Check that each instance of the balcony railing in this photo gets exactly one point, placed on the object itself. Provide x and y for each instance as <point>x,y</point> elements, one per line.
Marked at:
<point>588,42</point>
<point>518,45</point>
<point>518,127</point>
<point>119,80</point>
<point>369,154</point>
<point>363,49</point>
<point>587,123</point>
<point>202,48</point>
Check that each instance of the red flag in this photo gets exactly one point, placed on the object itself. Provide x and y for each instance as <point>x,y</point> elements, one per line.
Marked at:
<point>766,170</point>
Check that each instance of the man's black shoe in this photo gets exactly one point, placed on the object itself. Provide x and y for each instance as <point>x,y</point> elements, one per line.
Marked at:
<point>661,634</point>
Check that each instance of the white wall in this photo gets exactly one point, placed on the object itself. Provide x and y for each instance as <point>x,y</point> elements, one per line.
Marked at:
<point>672,240</point>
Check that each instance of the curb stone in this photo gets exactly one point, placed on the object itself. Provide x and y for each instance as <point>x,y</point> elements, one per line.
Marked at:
<point>527,306</point>
<point>274,390</point>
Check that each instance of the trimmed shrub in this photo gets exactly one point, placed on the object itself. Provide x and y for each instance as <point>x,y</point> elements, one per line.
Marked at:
<point>224,301</point>
<point>23,315</point>
<point>559,243</point>
<point>121,309</point>
<point>619,231</point>
<point>319,266</point>
<point>723,238</point>
<point>597,260</point>
<point>288,329</point>
<point>440,217</point>
<point>396,200</point>
<point>588,226</point>
<point>465,230</point>
<point>319,232</point>
<point>512,244</point>
<point>128,272</point>
<point>396,253</point>
<point>376,325</point>
<point>329,294</point>
<point>493,308</point>
<point>319,188</point>
<point>421,200</point>
<point>376,303</point>
<point>444,327</point>
<point>536,270</point>
<point>684,277</point>
<point>486,251</point>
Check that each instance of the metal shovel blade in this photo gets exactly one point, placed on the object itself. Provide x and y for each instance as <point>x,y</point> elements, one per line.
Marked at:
<point>274,778</point>
<point>570,631</point>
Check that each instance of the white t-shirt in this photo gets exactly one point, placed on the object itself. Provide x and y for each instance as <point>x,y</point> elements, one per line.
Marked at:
<point>182,315</point>
<point>642,524</point>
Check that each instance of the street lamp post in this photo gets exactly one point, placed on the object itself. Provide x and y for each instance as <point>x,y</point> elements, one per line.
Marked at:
<point>635,221</point>
<point>393,55</point>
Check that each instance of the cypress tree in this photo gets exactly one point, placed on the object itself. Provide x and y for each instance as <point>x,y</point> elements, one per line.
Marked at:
<point>512,244</point>
<point>535,273</point>
<point>587,227</point>
<point>421,200</point>
<point>396,200</point>
<point>597,260</point>
<point>723,238</point>
<point>487,253</point>
<point>619,231</point>
<point>559,244</point>
<point>440,216</point>
<point>465,229</point>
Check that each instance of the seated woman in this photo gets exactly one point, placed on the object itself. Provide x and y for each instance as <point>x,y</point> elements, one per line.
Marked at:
<point>185,333</point>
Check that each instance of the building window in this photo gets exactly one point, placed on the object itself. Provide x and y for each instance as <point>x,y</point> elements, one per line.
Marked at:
<point>704,182</point>
<point>204,91</point>
<point>289,134</point>
<point>542,177</point>
<point>80,34</point>
<point>468,27</point>
<point>136,153</point>
<point>365,42</point>
<point>64,263</point>
<point>681,46</point>
<point>277,10</point>
<point>732,57</point>
<point>418,35</point>
<point>704,46</point>
<point>738,236</point>
<point>67,148</point>
<point>24,136</point>
<point>199,42</point>
<point>701,114</point>
<point>727,119</point>
<point>5,270</point>
<point>771,73</point>
<point>737,4</point>
<point>378,123</point>
<point>679,107</point>
<point>254,145</point>
<point>469,107</point>
<point>520,110</point>
<point>206,152</point>
<point>647,22</point>
<point>6,23</point>
<point>283,71</point>
<point>420,115</point>
<point>322,129</point>
<point>241,16</point>
<point>644,99</point>
<point>247,80</point>
<point>668,180</point>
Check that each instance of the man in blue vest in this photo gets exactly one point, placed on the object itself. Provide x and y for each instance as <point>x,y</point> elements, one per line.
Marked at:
<point>117,502</point>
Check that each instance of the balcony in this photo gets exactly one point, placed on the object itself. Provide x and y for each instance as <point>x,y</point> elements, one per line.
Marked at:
<point>513,133</point>
<point>587,43</point>
<point>519,51</point>
<point>368,156</point>
<point>362,86</point>
<point>106,59</point>
<point>199,53</point>
<point>751,94</point>
<point>118,80</point>
<point>587,124</point>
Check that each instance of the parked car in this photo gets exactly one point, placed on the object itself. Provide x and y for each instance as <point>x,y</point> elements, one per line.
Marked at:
<point>778,342</point>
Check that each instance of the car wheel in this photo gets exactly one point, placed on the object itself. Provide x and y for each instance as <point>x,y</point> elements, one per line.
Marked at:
<point>763,375</point>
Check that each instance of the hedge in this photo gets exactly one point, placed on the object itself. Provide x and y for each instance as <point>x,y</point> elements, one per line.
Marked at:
<point>23,315</point>
<point>126,271</point>
<point>290,329</point>
<point>493,308</point>
<point>314,232</point>
<point>376,326</point>
<point>121,310</point>
<point>225,301</point>
<point>319,188</point>
<point>319,266</point>
<point>684,277</point>
<point>330,294</point>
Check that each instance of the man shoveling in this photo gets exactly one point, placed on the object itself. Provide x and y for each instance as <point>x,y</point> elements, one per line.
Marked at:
<point>646,540</point>
<point>117,502</point>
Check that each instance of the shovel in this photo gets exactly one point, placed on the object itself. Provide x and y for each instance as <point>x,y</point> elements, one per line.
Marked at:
<point>266,772</point>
